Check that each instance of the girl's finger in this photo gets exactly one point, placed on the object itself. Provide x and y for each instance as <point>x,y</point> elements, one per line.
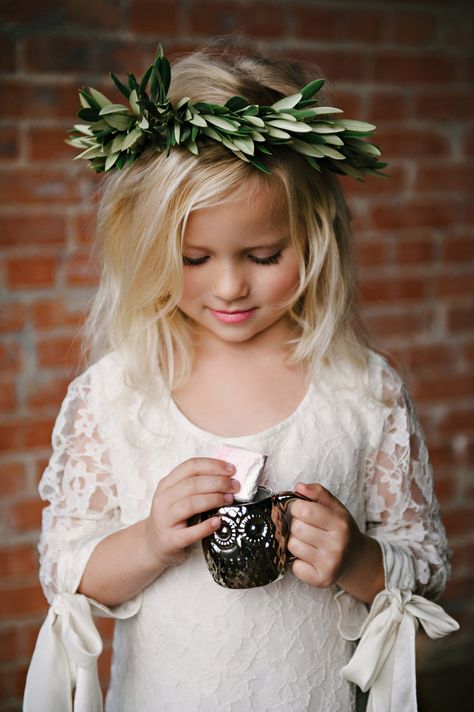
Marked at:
<point>191,535</point>
<point>309,534</point>
<point>303,551</point>
<point>313,513</point>
<point>204,484</point>
<point>187,507</point>
<point>307,573</point>
<point>318,493</point>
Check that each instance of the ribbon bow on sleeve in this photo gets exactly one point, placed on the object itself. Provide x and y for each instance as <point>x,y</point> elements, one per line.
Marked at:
<point>384,660</point>
<point>65,657</point>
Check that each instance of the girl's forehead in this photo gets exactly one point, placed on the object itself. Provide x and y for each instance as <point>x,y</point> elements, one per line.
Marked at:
<point>258,208</point>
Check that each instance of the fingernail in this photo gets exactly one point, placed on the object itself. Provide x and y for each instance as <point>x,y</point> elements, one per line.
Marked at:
<point>215,522</point>
<point>230,467</point>
<point>228,498</point>
<point>235,484</point>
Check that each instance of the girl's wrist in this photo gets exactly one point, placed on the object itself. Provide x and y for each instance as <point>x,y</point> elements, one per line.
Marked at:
<point>147,550</point>
<point>364,578</point>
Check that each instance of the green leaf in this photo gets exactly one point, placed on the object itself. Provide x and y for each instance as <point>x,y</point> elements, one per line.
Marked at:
<point>144,123</point>
<point>83,99</point>
<point>351,125</point>
<point>197,120</point>
<point>313,163</point>
<point>144,80</point>
<point>277,133</point>
<point>134,102</point>
<point>308,149</point>
<point>323,127</point>
<point>110,160</point>
<point>259,164</point>
<point>191,146</point>
<point>90,115</point>
<point>311,89</point>
<point>245,145</point>
<point>131,139</point>
<point>295,126</point>
<point>182,102</point>
<point>254,120</point>
<point>236,103</point>
<point>114,109</point>
<point>99,97</point>
<point>121,87</point>
<point>331,153</point>
<point>212,133</point>
<point>119,122</point>
<point>221,123</point>
<point>288,102</point>
<point>177,130</point>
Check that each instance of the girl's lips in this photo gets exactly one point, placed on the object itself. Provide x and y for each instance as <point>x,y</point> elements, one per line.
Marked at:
<point>234,317</point>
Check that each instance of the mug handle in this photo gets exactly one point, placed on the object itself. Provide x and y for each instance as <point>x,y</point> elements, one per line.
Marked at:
<point>284,499</point>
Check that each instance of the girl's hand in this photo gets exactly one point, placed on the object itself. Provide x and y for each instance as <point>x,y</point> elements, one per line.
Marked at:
<point>193,487</point>
<point>330,548</point>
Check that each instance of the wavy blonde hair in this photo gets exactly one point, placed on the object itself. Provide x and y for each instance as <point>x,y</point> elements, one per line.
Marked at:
<point>143,215</point>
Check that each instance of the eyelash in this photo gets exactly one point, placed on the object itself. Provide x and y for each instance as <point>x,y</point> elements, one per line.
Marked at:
<point>272,260</point>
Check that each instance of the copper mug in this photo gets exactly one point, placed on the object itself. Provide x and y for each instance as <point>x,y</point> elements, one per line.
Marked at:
<point>251,546</point>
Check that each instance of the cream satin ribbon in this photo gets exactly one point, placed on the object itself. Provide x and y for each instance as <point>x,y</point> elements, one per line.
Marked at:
<point>65,657</point>
<point>384,660</point>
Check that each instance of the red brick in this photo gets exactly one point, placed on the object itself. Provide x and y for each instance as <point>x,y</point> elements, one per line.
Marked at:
<point>17,642</point>
<point>413,213</point>
<point>54,352</point>
<point>461,318</point>
<point>26,514</point>
<point>8,398</point>
<point>458,250</point>
<point>371,254</point>
<point>8,645</point>
<point>12,316</point>
<point>20,230</point>
<point>460,419</point>
<point>457,104</point>
<point>49,144</point>
<point>413,67</point>
<point>425,357</point>
<point>12,478</point>
<point>446,178</point>
<point>30,273</point>
<point>347,100</point>
<point>446,388</point>
<point>444,489</point>
<point>38,186</point>
<point>458,521</point>
<point>42,99</point>
<point>18,561</point>
<point>47,394</point>
<point>387,290</point>
<point>105,626</point>
<point>53,313</point>
<point>413,142</point>
<point>376,185</point>
<point>335,64</point>
<point>104,14</point>
<point>7,52</point>
<point>413,28</point>
<point>441,455</point>
<point>391,105</point>
<point>361,25</point>
<point>160,16</point>
<point>11,358</point>
<point>264,20</point>
<point>40,467</point>
<point>81,271</point>
<point>28,12</point>
<point>415,251</point>
<point>449,285</point>
<point>21,433</point>
<point>405,322</point>
<point>104,663</point>
<point>316,23</point>
<point>21,601</point>
<point>463,556</point>
<point>9,142</point>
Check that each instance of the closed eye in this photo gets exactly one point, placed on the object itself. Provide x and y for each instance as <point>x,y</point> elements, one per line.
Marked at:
<point>272,260</point>
<point>192,261</point>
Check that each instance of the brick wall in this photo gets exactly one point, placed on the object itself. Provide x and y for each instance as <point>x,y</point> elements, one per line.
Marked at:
<point>404,65</point>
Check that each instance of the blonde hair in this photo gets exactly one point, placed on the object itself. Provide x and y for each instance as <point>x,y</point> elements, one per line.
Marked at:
<point>143,216</point>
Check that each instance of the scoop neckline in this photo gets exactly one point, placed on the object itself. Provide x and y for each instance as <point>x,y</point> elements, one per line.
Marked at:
<point>178,415</point>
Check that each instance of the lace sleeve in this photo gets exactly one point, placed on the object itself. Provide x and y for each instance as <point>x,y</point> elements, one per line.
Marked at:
<point>402,510</point>
<point>79,484</point>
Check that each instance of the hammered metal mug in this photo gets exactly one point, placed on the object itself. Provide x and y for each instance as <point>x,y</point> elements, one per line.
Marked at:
<point>250,547</point>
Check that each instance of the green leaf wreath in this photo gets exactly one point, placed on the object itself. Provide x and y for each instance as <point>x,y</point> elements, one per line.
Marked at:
<point>113,135</point>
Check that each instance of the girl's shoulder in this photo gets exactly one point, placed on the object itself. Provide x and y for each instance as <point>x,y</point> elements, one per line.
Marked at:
<point>100,381</point>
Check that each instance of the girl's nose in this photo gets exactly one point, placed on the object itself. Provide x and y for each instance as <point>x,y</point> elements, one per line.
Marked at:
<point>230,283</point>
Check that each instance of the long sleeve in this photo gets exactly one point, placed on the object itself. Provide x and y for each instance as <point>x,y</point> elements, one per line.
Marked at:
<point>83,510</point>
<point>402,514</point>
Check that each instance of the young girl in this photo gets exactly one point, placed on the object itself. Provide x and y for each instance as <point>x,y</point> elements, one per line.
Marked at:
<point>225,314</point>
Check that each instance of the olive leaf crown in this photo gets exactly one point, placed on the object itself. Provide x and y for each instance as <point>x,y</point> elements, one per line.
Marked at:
<point>114,135</point>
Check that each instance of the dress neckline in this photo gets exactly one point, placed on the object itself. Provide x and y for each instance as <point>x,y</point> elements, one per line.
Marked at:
<point>180,417</point>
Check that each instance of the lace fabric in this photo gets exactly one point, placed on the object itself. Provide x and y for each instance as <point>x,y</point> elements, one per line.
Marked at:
<point>193,645</point>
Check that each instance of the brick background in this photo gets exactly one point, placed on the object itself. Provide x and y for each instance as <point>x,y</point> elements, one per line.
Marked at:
<point>405,65</point>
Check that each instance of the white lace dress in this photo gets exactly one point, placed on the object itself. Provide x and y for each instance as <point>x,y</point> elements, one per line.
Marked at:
<point>185,643</point>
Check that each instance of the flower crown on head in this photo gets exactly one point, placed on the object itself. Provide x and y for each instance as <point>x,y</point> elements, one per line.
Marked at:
<point>116,134</point>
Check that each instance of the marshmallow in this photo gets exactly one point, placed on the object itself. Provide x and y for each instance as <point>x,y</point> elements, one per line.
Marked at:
<point>249,468</point>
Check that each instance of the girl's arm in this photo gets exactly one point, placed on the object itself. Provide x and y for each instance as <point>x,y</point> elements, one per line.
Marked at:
<point>127,561</point>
